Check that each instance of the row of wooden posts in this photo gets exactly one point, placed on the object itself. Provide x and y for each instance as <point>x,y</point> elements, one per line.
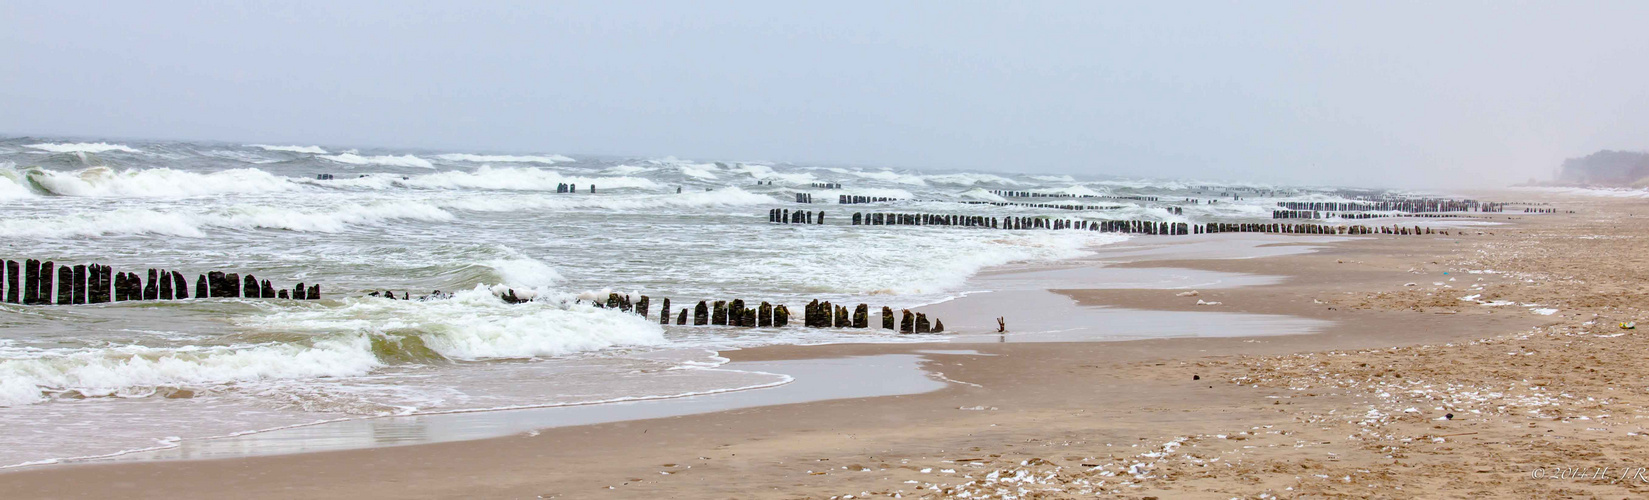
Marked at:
<point>827,185</point>
<point>1126,226</point>
<point>1045,205</point>
<point>573,188</point>
<point>1033,194</point>
<point>851,200</point>
<point>737,312</point>
<point>785,216</point>
<point>804,198</point>
<point>1313,214</point>
<point>1414,205</point>
<point>31,282</point>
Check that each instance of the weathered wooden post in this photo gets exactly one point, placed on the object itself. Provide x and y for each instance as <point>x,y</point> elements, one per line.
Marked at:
<point>921,323</point>
<point>908,325</point>
<point>165,285</point>
<point>286,294</point>
<point>47,273</point>
<point>120,287</point>
<point>13,294</point>
<point>642,306</point>
<point>65,285</point>
<point>887,318</point>
<point>315,291</point>
<point>735,316</point>
<point>214,284</point>
<point>938,326</point>
<point>267,290</point>
<point>80,284</point>
<point>861,316</point>
<point>202,289</point>
<point>701,314</point>
<point>781,315</point>
<point>231,282</point>
<point>151,288</point>
<point>749,318</point>
<point>31,281</point>
<point>764,315</point>
<point>810,314</point>
<point>664,312</point>
<point>105,283</point>
<point>251,287</point>
<point>298,292</point>
<point>718,313</point>
<point>842,318</point>
<point>682,319</point>
<point>612,301</point>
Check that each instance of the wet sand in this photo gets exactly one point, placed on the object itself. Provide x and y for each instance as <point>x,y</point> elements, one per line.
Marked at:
<point>1212,416</point>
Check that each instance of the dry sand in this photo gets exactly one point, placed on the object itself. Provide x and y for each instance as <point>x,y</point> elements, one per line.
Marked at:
<point>1355,411</point>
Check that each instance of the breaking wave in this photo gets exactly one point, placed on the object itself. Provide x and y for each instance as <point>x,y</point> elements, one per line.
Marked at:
<point>504,158</point>
<point>385,160</point>
<point>131,221</point>
<point>81,147</point>
<point>151,182</point>
<point>730,196</point>
<point>313,150</point>
<point>520,179</point>
<point>377,332</point>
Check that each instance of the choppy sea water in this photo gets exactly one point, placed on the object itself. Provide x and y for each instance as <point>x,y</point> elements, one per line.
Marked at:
<point>79,381</point>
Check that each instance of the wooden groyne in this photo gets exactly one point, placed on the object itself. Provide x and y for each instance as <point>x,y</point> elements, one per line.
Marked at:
<point>738,313</point>
<point>573,188</point>
<point>787,216</point>
<point>853,200</point>
<point>1313,214</point>
<point>33,282</point>
<point>827,185</point>
<point>1411,205</point>
<point>804,198</point>
<point>1146,227</point>
<point>1034,194</point>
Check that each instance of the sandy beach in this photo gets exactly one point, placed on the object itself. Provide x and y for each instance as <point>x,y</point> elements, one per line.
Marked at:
<point>1485,363</point>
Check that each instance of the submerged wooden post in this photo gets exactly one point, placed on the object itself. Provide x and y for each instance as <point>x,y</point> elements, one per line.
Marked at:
<point>861,316</point>
<point>749,318</point>
<point>921,323</point>
<point>252,289</point>
<point>65,285</point>
<point>151,288</point>
<point>781,315</point>
<point>938,326</point>
<point>908,325</point>
<point>642,306</point>
<point>80,284</point>
<point>31,281</point>
<point>315,291</point>
<point>267,290</point>
<point>214,284</point>
<point>164,286</point>
<point>718,313</point>
<point>682,319</point>
<point>764,315</point>
<point>283,294</point>
<point>612,301</point>
<point>47,272</point>
<point>664,312</point>
<point>202,290</point>
<point>735,313</point>
<point>701,314</point>
<point>231,283</point>
<point>298,292</point>
<point>13,295</point>
<point>887,318</point>
<point>842,318</point>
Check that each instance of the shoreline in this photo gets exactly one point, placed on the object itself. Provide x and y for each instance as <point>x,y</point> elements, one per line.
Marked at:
<point>1014,383</point>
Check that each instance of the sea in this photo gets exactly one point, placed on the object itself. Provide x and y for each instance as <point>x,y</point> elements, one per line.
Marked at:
<point>87,381</point>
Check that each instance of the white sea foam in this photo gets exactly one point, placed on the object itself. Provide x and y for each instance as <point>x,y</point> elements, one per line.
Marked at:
<point>156,182</point>
<point>729,196</point>
<point>505,158</point>
<point>766,173</point>
<point>1591,191</point>
<point>698,171</point>
<point>520,179</point>
<point>135,370</point>
<point>81,147</point>
<point>971,179</point>
<point>982,194</point>
<point>240,156</point>
<point>831,194</point>
<point>385,160</point>
<point>884,176</point>
<point>475,324</point>
<point>192,224</point>
<point>1073,190</point>
<point>314,150</point>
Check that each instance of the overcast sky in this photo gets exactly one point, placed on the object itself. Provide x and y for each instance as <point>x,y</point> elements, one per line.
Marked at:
<point>1425,94</point>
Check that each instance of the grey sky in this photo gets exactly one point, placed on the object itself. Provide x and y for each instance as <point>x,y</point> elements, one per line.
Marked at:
<point>1333,92</point>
